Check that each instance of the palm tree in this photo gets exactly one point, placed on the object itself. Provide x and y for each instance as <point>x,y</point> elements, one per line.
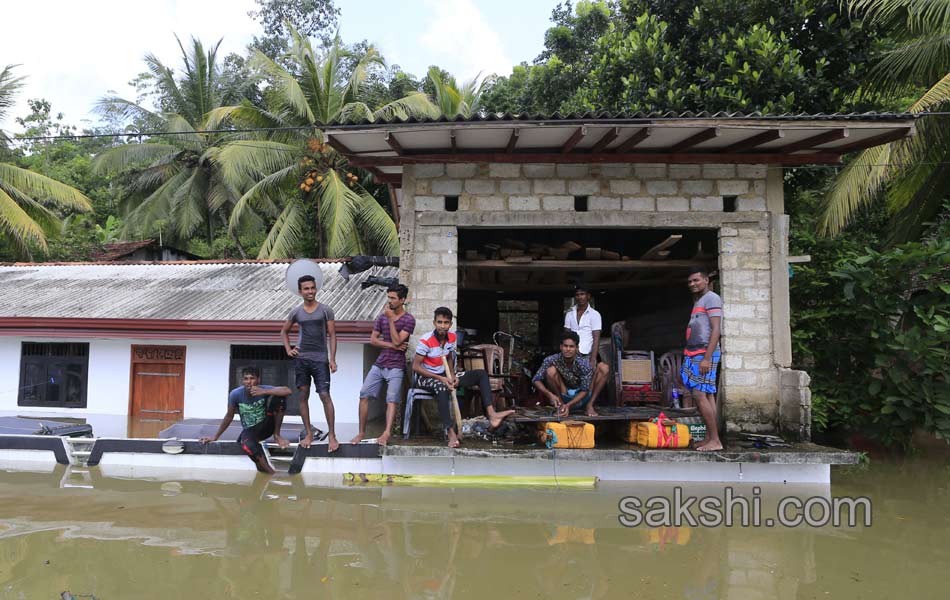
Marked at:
<point>177,178</point>
<point>285,172</point>
<point>27,199</point>
<point>452,101</point>
<point>913,175</point>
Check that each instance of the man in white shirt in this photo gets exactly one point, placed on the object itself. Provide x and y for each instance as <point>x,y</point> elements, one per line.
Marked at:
<point>586,322</point>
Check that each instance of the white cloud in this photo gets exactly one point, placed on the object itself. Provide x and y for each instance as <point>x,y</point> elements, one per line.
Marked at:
<point>83,49</point>
<point>460,40</point>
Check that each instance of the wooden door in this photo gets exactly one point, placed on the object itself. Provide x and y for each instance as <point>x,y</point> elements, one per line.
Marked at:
<point>158,382</point>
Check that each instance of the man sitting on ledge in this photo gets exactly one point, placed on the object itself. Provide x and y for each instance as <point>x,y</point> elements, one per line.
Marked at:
<point>428,365</point>
<point>564,378</point>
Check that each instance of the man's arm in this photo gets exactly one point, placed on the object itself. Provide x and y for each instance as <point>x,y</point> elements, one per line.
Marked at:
<point>714,327</point>
<point>595,349</point>
<point>418,369</point>
<point>398,338</point>
<point>282,391</point>
<point>331,333</point>
<point>285,337</point>
<point>225,423</point>
<point>376,340</point>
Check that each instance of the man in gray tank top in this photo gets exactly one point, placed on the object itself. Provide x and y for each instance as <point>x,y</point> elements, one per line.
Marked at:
<point>314,356</point>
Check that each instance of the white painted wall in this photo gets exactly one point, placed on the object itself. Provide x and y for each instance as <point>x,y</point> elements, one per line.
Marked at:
<point>206,378</point>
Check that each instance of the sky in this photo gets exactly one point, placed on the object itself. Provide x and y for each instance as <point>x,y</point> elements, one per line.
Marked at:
<point>75,52</point>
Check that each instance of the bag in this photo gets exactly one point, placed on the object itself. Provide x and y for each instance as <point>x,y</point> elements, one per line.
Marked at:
<point>662,432</point>
<point>567,434</point>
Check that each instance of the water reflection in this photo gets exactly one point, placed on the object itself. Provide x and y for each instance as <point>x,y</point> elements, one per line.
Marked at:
<point>125,538</point>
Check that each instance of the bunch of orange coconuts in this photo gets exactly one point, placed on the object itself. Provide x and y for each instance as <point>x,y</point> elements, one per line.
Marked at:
<point>313,177</point>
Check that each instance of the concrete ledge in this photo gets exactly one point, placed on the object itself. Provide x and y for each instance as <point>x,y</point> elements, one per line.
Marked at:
<point>608,218</point>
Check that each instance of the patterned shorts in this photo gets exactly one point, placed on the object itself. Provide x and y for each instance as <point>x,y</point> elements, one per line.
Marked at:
<point>693,380</point>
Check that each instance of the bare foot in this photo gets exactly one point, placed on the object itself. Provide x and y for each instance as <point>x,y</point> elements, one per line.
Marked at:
<point>357,438</point>
<point>281,442</point>
<point>453,439</point>
<point>383,439</point>
<point>332,444</point>
<point>262,465</point>
<point>496,419</point>
<point>709,446</point>
<point>591,412</point>
<point>306,440</point>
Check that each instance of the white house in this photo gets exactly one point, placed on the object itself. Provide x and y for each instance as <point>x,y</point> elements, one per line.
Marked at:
<point>165,341</point>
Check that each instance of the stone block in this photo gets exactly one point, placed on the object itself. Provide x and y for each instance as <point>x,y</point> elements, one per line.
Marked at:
<point>538,170</point>
<point>430,202</point>
<point>719,171</point>
<point>732,187</point>
<point>439,242</point>
<point>751,171</point>
<point>549,186</point>
<point>739,344</point>
<point>423,186</point>
<point>449,259</point>
<point>662,187</point>
<point>728,232</point>
<point>731,361</point>
<point>573,171</point>
<point>603,203</point>
<point>672,204</point>
<point>758,187</point>
<point>480,186</point>
<point>650,170</point>
<point>685,171</point>
<point>734,278</point>
<point>754,294</point>
<point>425,259</point>
<point>514,186</point>
<point>489,203</point>
<point>625,186</point>
<point>557,202</point>
<point>753,327</point>
<point>696,187</point>
<point>583,187</point>
<point>739,311</point>
<point>462,170</point>
<point>447,187</point>
<point>739,378</point>
<point>706,203</point>
<point>792,378</point>
<point>639,204</point>
<point>524,203</point>
<point>428,170</point>
<point>609,171</point>
<point>436,275</point>
<point>750,204</point>
<point>504,170</point>
<point>754,261</point>
<point>757,361</point>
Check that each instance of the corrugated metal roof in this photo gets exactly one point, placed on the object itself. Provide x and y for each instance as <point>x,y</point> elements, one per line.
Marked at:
<point>608,118</point>
<point>192,291</point>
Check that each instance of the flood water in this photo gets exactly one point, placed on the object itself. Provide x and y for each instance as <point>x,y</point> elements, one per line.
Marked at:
<point>167,539</point>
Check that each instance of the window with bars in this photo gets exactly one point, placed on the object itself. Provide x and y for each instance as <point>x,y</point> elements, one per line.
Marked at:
<point>53,375</point>
<point>276,369</point>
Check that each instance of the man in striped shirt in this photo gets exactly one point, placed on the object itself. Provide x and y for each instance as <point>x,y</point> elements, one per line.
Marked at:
<point>428,366</point>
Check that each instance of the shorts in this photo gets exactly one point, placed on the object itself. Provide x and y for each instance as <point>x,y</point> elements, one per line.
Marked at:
<point>569,395</point>
<point>306,369</point>
<point>251,438</point>
<point>375,378</point>
<point>693,380</point>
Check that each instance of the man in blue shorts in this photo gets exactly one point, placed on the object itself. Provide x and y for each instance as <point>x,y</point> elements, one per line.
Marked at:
<point>701,356</point>
<point>262,411</point>
<point>565,378</point>
<point>314,356</point>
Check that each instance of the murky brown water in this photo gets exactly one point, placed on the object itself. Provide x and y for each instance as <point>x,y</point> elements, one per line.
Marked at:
<point>168,540</point>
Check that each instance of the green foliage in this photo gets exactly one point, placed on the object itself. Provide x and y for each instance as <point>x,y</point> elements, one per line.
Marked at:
<point>873,328</point>
<point>697,55</point>
<point>313,18</point>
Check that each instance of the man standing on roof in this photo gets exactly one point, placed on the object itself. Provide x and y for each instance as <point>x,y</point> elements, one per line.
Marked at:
<point>262,411</point>
<point>391,333</point>
<point>314,358</point>
<point>428,365</point>
<point>701,356</point>
<point>586,322</point>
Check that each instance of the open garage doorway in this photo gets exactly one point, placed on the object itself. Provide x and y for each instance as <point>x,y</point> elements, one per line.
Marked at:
<point>521,282</point>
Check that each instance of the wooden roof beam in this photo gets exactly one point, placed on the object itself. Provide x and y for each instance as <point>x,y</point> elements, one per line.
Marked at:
<point>577,265</point>
<point>512,140</point>
<point>390,139</point>
<point>816,140</point>
<point>877,140</point>
<point>628,144</point>
<point>603,142</point>
<point>338,145</point>
<point>696,139</point>
<point>824,157</point>
<point>453,141</point>
<point>575,138</point>
<point>756,140</point>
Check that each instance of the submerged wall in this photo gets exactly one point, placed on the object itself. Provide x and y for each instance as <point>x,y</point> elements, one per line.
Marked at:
<point>752,245</point>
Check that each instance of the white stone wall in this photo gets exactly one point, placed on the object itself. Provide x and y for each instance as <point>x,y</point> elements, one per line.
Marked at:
<point>619,195</point>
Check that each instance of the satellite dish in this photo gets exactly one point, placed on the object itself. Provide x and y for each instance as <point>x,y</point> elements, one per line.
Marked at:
<point>298,269</point>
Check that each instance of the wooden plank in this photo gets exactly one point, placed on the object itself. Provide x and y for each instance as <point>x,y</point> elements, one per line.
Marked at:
<point>877,140</point>
<point>394,203</point>
<point>518,260</point>
<point>816,140</point>
<point>390,139</point>
<point>756,140</point>
<point>545,285</point>
<point>592,253</point>
<point>654,252</point>
<point>628,144</point>
<point>602,143</point>
<point>571,246</point>
<point>513,140</point>
<point>825,157</point>
<point>585,265</point>
<point>696,139</point>
<point>453,141</point>
<point>575,138</point>
<point>610,255</point>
